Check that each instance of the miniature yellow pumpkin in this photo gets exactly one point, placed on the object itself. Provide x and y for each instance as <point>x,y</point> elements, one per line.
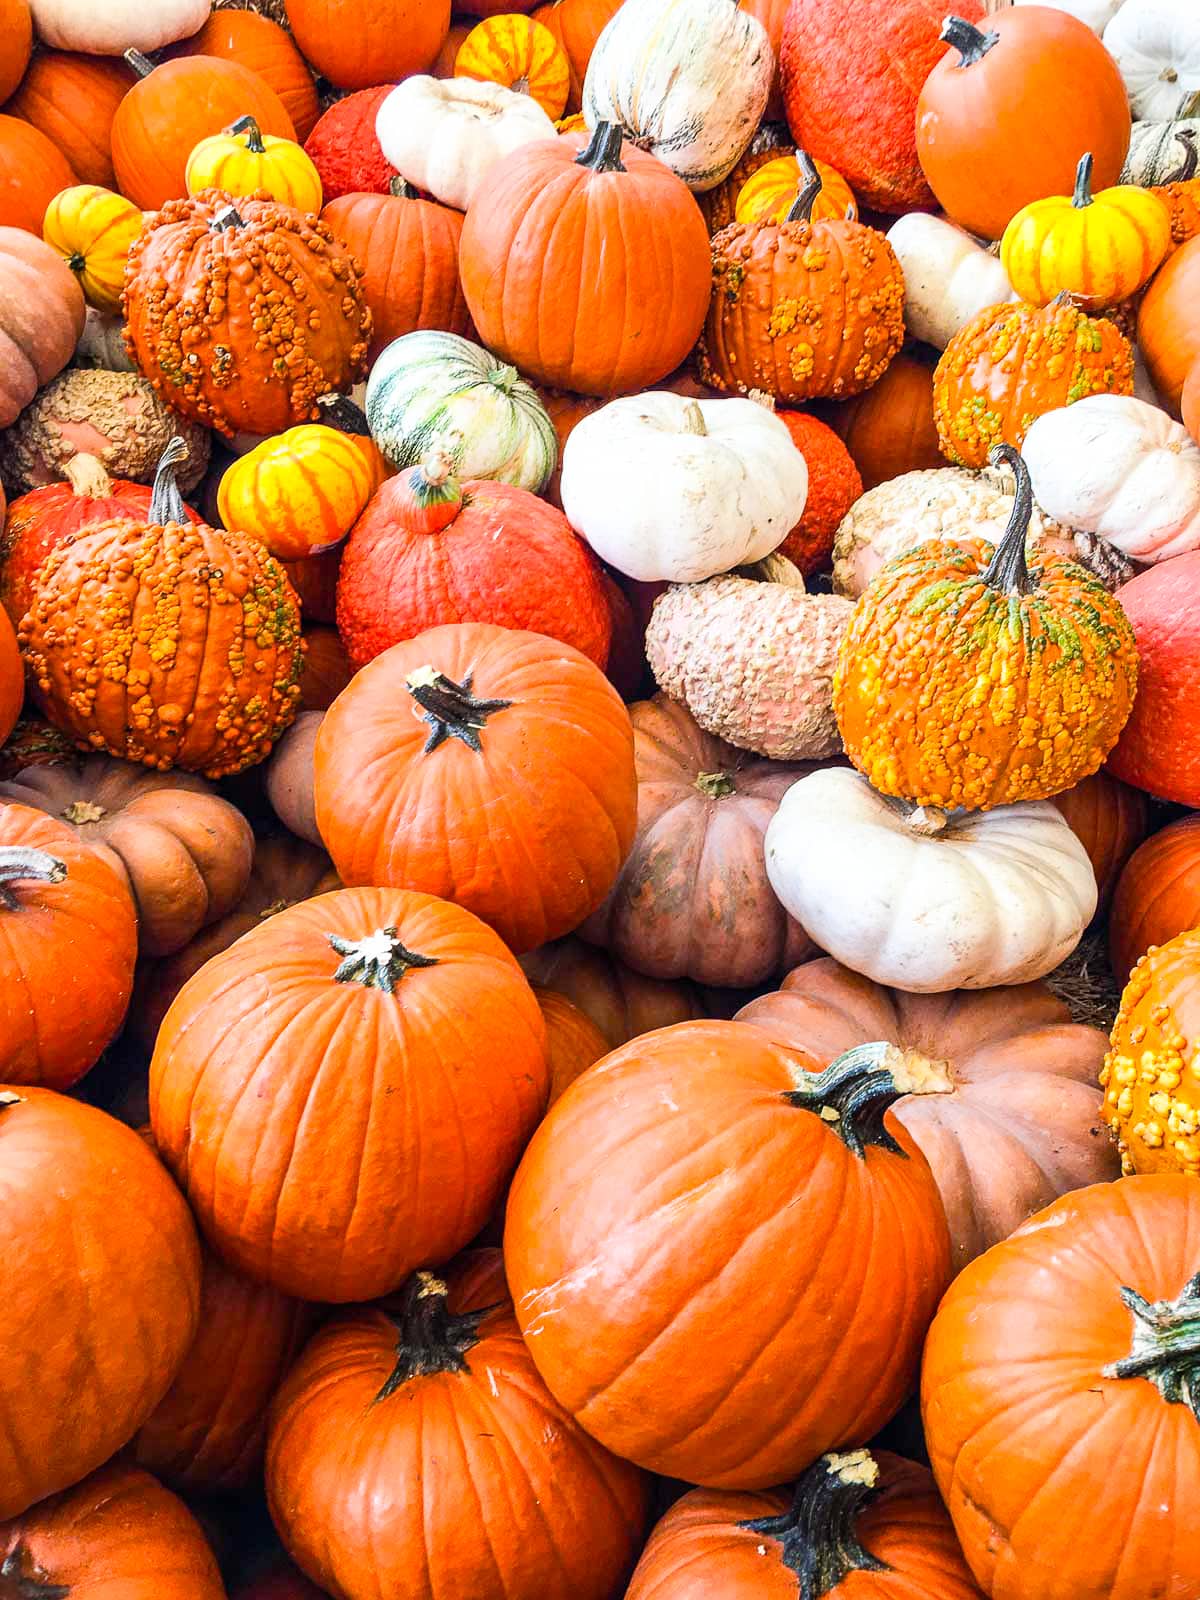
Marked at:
<point>519,53</point>
<point>92,229</point>
<point>299,492</point>
<point>243,160</point>
<point>770,192</point>
<point>1100,249</point>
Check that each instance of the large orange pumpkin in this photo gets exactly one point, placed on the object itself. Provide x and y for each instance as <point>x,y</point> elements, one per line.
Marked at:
<point>1168,335</point>
<point>555,260</point>
<point>100,1282</point>
<point>573,1041</point>
<point>889,429</point>
<point>329,1170</point>
<point>32,172</point>
<point>576,24</point>
<point>16,41</point>
<point>73,99</point>
<point>1064,1354</point>
<point>1158,894</point>
<point>435,1387</point>
<point>268,50</point>
<point>707,1155</point>
<point>1110,820</point>
<point>502,777</point>
<point>359,43</point>
<point>176,104</point>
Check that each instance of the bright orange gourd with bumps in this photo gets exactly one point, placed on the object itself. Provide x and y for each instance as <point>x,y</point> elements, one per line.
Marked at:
<point>964,679</point>
<point>520,53</point>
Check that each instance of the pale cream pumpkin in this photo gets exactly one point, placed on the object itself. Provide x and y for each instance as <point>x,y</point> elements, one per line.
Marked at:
<point>1156,45</point>
<point>949,277</point>
<point>114,26</point>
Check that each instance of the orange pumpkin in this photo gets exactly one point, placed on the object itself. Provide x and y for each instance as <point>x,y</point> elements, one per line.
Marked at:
<point>520,53</point>
<point>267,49</point>
<point>576,25</point>
<point>1168,329</point>
<point>1158,894</point>
<point>443,66</point>
<point>327,668</point>
<point>573,1041</point>
<point>16,41</point>
<point>359,43</point>
<point>12,678</point>
<point>621,1002</point>
<point>1190,401</point>
<point>1110,820</point>
<point>889,429</point>
<point>772,142</point>
<point>771,192</point>
<point>32,172</point>
<point>73,99</point>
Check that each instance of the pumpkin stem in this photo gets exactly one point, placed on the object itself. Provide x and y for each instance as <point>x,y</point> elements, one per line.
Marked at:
<point>855,1090</point>
<point>80,812</point>
<point>140,63</point>
<point>166,502</point>
<point>800,209</point>
<point>926,821</point>
<point>693,419</point>
<point>431,1339</point>
<point>450,709</point>
<point>1166,1345</point>
<point>504,378</point>
<point>341,413</point>
<point>400,188</point>
<point>1189,107</point>
<point>969,40</point>
<point>716,785</point>
<point>1083,182</point>
<point>19,863</point>
<point>21,1580</point>
<point>228,217</point>
<point>8,1098</point>
<point>377,962</point>
<point>1007,570</point>
<point>87,475</point>
<point>817,1532</point>
<point>254,143</point>
<point>603,152</point>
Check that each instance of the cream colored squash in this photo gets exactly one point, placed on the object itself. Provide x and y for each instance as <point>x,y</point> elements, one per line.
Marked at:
<point>1117,467</point>
<point>1156,44</point>
<point>978,900</point>
<point>948,277</point>
<point>1165,152</point>
<point>663,487</point>
<point>688,80</point>
<point>1097,14</point>
<point>110,27</point>
<point>445,134</point>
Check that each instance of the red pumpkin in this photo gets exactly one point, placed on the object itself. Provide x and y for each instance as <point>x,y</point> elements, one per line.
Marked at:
<point>32,172</point>
<point>1158,894</point>
<point>267,49</point>
<point>1159,749</point>
<point>16,41</point>
<point>73,99</point>
<point>622,1003</point>
<point>1006,113</point>
<point>343,1169</point>
<point>870,1525</point>
<point>1167,331</point>
<point>889,429</point>
<point>851,92</point>
<point>118,1532</point>
<point>1110,820</point>
<point>173,106</point>
<point>429,550</point>
<point>576,25</point>
<point>408,251</point>
<point>100,1283</point>
<point>359,43</point>
<point>834,484</point>
<point>552,263</point>
<point>344,149</point>
<point>478,793</point>
<point>436,1387</point>
<point>12,678</point>
<point>683,1159</point>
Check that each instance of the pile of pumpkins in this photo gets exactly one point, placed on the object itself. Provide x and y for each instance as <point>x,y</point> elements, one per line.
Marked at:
<point>596,603</point>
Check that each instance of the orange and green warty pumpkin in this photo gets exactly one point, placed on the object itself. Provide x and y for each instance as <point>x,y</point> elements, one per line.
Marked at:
<point>966,679</point>
<point>1012,363</point>
<point>243,316</point>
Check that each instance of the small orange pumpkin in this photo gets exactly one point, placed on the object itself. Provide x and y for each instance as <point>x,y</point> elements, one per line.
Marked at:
<point>770,193</point>
<point>520,53</point>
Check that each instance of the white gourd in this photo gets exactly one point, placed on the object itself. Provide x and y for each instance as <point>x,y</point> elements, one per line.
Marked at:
<point>110,27</point>
<point>1164,152</point>
<point>948,277</point>
<point>1156,44</point>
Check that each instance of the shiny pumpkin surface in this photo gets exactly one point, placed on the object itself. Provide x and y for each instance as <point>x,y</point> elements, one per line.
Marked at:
<point>770,192</point>
<point>522,54</point>
<point>73,99</point>
<point>1168,331</point>
<point>92,229</point>
<point>242,160</point>
<point>300,492</point>
<point>1158,895</point>
<point>267,49</point>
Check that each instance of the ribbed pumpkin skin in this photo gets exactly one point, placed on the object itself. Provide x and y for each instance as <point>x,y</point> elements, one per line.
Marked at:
<point>506,558</point>
<point>12,678</point>
<point>1110,820</point>
<point>555,263</point>
<point>354,1165</point>
<point>699,1551</point>
<point>358,43</point>
<point>1022,1423</point>
<point>92,229</point>
<point>73,99</point>
<point>889,429</point>
<point>622,1003</point>
<point>1100,252</point>
<point>551,1513</point>
<point>209,1431</point>
<point>280,266</point>
<point>300,493</point>
<point>16,39</point>
<point>268,50</point>
<point>68,955</point>
<point>101,1250</point>
<point>573,1041</point>
<point>577,24</point>
<point>1167,333</point>
<point>408,252</point>
<point>41,317</point>
<point>164,117</point>
<point>515,49</point>
<point>1013,363</point>
<point>534,866</point>
<point>1158,894</point>
<point>1159,750</point>
<point>621,1219</point>
<point>32,171</point>
<point>769,194</point>
<point>281,170</point>
<point>118,1532</point>
<point>801,310</point>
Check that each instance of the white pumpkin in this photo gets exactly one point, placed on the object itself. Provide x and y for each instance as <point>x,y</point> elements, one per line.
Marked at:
<point>1156,44</point>
<point>688,80</point>
<point>1097,14</point>
<point>992,897</point>
<point>110,27</point>
<point>431,388</point>
<point>446,134</point>
<point>948,277</point>
<point>1164,152</point>
<point>663,487</point>
<point>1117,467</point>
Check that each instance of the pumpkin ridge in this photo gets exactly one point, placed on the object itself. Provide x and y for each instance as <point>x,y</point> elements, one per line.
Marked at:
<point>817,1531</point>
<point>431,1340</point>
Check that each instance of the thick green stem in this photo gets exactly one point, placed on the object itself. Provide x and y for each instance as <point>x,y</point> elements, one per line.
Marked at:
<point>1007,571</point>
<point>801,207</point>
<point>603,151</point>
<point>450,709</point>
<point>971,42</point>
<point>166,502</point>
<point>853,1093</point>
<point>254,143</point>
<point>817,1533</point>
<point>18,864</point>
<point>21,1580</point>
<point>1083,182</point>
<point>377,962</point>
<point>430,1338</point>
<point>1166,1345</point>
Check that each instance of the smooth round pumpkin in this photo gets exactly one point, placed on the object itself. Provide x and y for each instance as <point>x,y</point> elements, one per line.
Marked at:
<point>579,216</point>
<point>289,777</point>
<point>299,492</point>
<point>257,42</point>
<point>73,99</point>
<point>620,1220</point>
<point>68,955</point>
<point>16,41</point>
<point>171,108</point>
<point>436,1385</point>
<point>449,721</point>
<point>1157,895</point>
<point>327,668</point>
<point>1167,334</point>
<point>92,229</point>
<point>117,1532</point>
<point>522,54</point>
<point>692,899</point>
<point>1065,1350</point>
<point>32,172</point>
<point>336,1146</point>
<point>770,192</point>
<point>102,1250</point>
<point>430,550</point>
<point>889,429</point>
<point>1110,820</point>
<point>621,1003</point>
<point>359,43</point>
<point>1005,115</point>
<point>1021,1123</point>
<point>242,160</point>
